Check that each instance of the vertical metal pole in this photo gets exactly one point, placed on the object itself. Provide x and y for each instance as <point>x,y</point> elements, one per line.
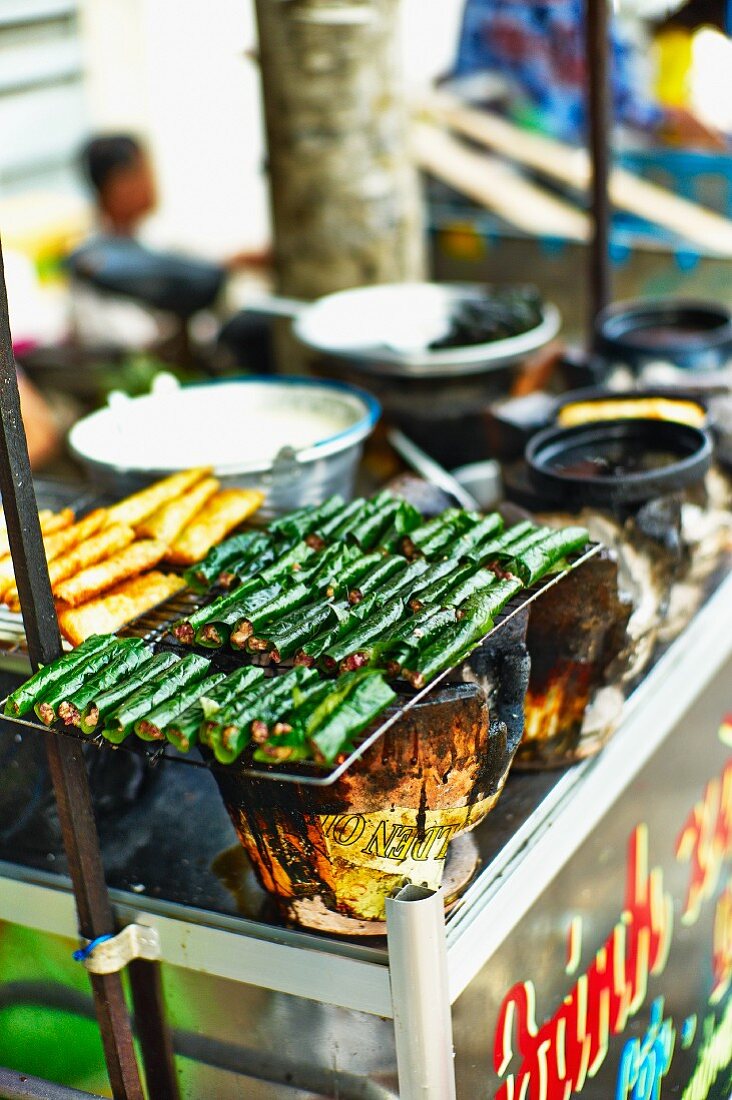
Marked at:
<point>154,1037</point>
<point>599,102</point>
<point>415,931</point>
<point>65,757</point>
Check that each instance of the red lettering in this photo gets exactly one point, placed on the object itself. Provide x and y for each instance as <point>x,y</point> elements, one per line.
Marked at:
<point>555,1059</point>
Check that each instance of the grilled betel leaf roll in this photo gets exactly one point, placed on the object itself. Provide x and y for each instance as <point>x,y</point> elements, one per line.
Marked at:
<point>152,726</point>
<point>533,562</point>
<point>119,724</point>
<point>360,697</point>
<point>31,692</point>
<point>132,656</point>
<point>183,730</point>
<point>107,701</point>
<point>73,680</point>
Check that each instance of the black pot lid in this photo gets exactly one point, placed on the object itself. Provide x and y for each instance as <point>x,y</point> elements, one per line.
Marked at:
<point>615,462</point>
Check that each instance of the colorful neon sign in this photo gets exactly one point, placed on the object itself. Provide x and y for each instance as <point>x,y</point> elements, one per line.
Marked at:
<point>554,1060</point>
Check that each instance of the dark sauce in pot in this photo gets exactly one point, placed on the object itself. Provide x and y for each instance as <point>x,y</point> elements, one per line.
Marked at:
<point>664,336</point>
<point>611,461</point>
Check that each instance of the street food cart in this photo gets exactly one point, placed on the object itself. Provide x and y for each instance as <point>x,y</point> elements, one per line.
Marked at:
<point>586,946</point>
<point>601,905</point>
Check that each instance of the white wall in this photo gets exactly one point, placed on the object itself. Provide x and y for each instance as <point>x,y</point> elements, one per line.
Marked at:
<point>176,71</point>
<point>429,32</point>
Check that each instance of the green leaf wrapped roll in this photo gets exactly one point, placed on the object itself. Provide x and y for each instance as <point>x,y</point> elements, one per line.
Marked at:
<point>46,708</point>
<point>404,582</point>
<point>326,569</point>
<point>432,594</point>
<point>327,529</point>
<point>411,544</point>
<point>134,655</point>
<point>349,527</point>
<point>241,547</point>
<point>482,552</point>
<point>412,637</point>
<point>279,715</point>
<point>354,572</point>
<point>287,565</point>
<point>230,732</point>
<point>356,648</point>
<point>501,551</point>
<point>107,701</point>
<point>391,566</point>
<point>488,527</point>
<point>249,565</point>
<point>456,641</point>
<point>283,638</point>
<point>183,730</point>
<point>306,521</point>
<point>534,562</point>
<point>152,726</point>
<point>475,581</point>
<point>436,571</point>
<point>384,512</point>
<point>120,723</point>
<point>32,691</point>
<point>215,632</point>
<point>287,600</point>
<point>185,629</point>
<point>337,722</point>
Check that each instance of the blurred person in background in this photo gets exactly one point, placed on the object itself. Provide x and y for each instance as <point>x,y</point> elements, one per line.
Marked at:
<point>538,49</point>
<point>136,296</point>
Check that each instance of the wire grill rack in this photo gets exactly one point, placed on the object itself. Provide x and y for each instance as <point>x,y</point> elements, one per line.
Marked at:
<point>153,627</point>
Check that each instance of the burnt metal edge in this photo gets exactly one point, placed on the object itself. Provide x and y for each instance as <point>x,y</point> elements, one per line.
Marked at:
<point>162,751</point>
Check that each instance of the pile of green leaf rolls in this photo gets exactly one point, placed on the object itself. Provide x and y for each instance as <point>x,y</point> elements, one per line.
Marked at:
<point>342,600</point>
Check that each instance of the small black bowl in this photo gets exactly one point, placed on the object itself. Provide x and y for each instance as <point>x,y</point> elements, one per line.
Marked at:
<point>616,462</point>
<point>692,335</point>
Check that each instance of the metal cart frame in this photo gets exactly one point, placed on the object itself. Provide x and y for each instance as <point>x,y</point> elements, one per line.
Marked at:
<point>425,968</point>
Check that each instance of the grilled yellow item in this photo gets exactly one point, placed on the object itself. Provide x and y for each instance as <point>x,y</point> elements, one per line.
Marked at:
<point>633,408</point>
<point>133,510</point>
<point>168,522</point>
<point>125,602</point>
<point>223,512</point>
<point>98,578</point>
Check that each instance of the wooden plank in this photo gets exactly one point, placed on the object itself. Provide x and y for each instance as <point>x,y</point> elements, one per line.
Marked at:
<point>694,223</point>
<point>496,185</point>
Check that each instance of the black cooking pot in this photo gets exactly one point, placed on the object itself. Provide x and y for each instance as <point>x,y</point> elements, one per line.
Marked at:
<point>688,334</point>
<point>616,463</point>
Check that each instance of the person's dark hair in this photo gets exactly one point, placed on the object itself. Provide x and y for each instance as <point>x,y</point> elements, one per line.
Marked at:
<point>103,156</point>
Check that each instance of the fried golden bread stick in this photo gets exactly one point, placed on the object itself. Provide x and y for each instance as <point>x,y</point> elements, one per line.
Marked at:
<point>50,522</point>
<point>125,602</point>
<point>95,549</point>
<point>134,509</point>
<point>92,550</point>
<point>128,562</point>
<point>59,542</point>
<point>168,522</point>
<point>223,512</point>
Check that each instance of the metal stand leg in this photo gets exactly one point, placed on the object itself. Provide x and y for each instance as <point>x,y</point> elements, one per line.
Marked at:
<point>153,1034</point>
<point>65,757</point>
<point>415,930</point>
